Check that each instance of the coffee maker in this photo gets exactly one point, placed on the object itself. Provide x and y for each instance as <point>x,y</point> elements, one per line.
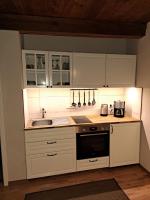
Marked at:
<point>119,108</point>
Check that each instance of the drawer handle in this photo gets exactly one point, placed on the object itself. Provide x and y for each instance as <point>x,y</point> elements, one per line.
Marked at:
<point>55,154</point>
<point>93,160</point>
<point>51,142</point>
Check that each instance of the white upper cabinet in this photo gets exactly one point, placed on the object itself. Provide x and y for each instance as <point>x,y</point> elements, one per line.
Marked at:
<point>120,70</point>
<point>60,64</point>
<point>88,70</point>
<point>35,66</point>
<point>47,69</point>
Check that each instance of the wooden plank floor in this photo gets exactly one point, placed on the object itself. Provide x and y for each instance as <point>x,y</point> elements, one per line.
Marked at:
<point>134,180</point>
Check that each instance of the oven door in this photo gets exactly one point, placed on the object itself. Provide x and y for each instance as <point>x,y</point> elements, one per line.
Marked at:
<point>91,145</point>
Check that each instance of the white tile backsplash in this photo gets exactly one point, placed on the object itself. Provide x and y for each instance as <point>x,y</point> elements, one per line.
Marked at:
<point>34,105</point>
<point>33,92</point>
<point>57,101</point>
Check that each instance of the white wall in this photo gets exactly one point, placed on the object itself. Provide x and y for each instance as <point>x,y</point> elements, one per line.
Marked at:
<point>133,99</point>
<point>79,44</point>
<point>145,132</point>
<point>11,80</point>
<point>143,80</point>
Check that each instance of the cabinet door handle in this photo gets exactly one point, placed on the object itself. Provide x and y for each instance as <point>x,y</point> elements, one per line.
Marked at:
<point>111,129</point>
<point>55,154</point>
<point>51,142</point>
<point>93,160</point>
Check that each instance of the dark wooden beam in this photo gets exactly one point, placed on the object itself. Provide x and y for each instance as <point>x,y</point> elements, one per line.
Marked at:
<point>70,27</point>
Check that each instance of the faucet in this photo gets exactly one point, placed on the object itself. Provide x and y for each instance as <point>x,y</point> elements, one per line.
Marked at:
<point>43,112</point>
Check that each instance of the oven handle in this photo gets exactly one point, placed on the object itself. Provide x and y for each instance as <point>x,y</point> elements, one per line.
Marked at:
<point>93,134</point>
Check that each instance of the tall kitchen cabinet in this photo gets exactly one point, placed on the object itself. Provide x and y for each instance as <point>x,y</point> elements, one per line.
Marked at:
<point>124,144</point>
<point>47,69</point>
<point>88,70</point>
<point>120,70</point>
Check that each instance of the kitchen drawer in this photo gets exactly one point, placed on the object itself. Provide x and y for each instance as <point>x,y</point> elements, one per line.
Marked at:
<point>51,163</point>
<point>92,163</point>
<point>49,134</point>
<point>49,145</point>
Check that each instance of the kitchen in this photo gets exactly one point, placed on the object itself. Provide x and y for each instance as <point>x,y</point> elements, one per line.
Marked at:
<point>57,101</point>
<point>79,105</point>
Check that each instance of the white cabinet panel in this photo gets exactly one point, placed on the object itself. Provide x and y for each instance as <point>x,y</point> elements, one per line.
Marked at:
<point>49,145</point>
<point>35,68</point>
<point>51,163</point>
<point>92,163</point>
<point>47,69</point>
<point>50,151</point>
<point>49,134</point>
<point>88,70</point>
<point>124,144</point>
<point>120,70</point>
<point>60,65</point>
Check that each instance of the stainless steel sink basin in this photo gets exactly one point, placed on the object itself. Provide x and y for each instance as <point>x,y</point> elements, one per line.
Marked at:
<point>42,122</point>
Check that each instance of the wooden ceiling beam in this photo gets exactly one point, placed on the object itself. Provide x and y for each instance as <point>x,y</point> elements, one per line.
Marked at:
<point>70,26</point>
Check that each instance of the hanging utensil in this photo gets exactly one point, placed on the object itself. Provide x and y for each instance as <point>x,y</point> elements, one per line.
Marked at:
<point>89,102</point>
<point>73,103</point>
<point>84,104</point>
<point>93,101</point>
<point>79,103</point>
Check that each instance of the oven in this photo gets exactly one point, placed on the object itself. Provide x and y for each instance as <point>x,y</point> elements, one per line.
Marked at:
<point>92,141</point>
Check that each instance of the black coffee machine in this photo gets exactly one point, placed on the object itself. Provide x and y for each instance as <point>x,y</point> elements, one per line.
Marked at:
<point>119,108</point>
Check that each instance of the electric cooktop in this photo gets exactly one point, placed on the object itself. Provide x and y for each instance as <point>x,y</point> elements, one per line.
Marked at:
<point>81,119</point>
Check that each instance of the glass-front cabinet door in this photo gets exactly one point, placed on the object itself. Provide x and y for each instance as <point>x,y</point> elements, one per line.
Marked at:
<point>60,69</point>
<point>35,68</point>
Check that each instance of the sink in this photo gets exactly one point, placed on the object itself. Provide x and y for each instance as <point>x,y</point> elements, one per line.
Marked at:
<point>42,122</point>
<point>48,122</point>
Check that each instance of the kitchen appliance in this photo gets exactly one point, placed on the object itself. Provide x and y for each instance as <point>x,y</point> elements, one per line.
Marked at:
<point>119,108</point>
<point>81,119</point>
<point>104,110</point>
<point>92,141</point>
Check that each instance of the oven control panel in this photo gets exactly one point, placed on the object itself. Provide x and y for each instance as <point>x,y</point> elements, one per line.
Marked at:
<point>94,128</point>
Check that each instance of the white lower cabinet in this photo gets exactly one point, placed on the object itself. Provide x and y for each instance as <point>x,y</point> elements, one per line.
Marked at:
<point>124,144</point>
<point>50,151</point>
<point>51,163</point>
<point>53,151</point>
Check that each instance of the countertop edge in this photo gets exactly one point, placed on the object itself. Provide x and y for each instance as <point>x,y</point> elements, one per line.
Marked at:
<point>75,125</point>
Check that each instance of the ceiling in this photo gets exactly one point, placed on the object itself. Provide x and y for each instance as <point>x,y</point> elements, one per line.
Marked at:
<point>93,18</point>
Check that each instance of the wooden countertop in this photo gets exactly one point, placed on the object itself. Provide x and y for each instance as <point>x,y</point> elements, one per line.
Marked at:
<point>111,119</point>
<point>95,119</point>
